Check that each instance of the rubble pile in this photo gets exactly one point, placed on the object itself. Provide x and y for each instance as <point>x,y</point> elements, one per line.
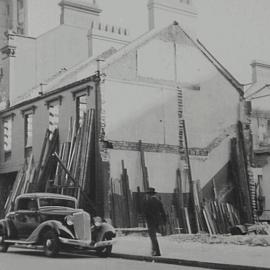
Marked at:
<point>251,239</point>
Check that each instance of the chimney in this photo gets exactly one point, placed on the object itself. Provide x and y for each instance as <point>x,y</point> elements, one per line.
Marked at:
<point>80,13</point>
<point>260,71</point>
<point>164,12</point>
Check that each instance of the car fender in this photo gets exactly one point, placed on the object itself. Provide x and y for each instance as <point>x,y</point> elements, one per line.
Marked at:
<point>7,228</point>
<point>54,225</point>
<point>105,228</point>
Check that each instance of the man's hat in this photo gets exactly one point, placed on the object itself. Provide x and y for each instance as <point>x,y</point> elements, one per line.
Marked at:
<point>151,190</point>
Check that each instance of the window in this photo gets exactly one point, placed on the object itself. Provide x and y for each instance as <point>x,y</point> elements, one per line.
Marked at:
<point>20,16</point>
<point>53,106</point>
<point>28,130</point>
<point>28,135</point>
<point>43,202</point>
<point>81,109</point>
<point>27,204</point>
<point>264,131</point>
<point>7,125</point>
<point>268,127</point>
<point>53,115</point>
<point>28,124</point>
<point>81,99</point>
<point>20,4</point>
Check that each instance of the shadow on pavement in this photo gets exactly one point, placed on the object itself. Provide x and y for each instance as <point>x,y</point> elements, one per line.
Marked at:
<point>61,255</point>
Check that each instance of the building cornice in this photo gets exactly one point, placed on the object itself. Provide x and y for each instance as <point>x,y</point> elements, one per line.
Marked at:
<point>260,64</point>
<point>179,8</point>
<point>9,51</point>
<point>47,95</point>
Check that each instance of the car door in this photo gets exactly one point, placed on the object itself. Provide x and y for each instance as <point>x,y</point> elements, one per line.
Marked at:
<point>26,217</point>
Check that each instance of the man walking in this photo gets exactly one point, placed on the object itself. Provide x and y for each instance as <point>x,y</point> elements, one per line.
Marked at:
<point>155,216</point>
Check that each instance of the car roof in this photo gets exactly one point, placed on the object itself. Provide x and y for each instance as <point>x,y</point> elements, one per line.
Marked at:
<point>46,195</point>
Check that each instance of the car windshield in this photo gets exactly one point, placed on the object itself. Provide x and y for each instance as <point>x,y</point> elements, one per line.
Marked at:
<point>56,202</point>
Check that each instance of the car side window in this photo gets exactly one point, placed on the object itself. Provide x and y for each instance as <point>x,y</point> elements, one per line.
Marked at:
<point>27,204</point>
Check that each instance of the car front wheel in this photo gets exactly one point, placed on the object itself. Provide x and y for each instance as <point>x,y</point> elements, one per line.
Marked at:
<point>51,244</point>
<point>105,251</point>
<point>3,246</point>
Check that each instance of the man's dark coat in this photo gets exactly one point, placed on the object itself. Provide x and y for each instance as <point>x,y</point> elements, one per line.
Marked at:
<point>154,212</point>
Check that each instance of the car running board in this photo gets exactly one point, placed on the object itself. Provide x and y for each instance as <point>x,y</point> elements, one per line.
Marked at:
<point>19,242</point>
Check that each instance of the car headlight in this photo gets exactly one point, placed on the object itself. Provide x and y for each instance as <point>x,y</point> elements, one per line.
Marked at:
<point>69,220</point>
<point>97,221</point>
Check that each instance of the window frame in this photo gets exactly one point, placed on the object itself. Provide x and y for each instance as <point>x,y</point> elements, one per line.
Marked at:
<point>26,201</point>
<point>25,113</point>
<point>8,152</point>
<point>79,118</point>
<point>27,130</point>
<point>77,94</point>
<point>56,101</point>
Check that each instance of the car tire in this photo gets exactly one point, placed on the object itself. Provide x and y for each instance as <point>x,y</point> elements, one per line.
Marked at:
<point>51,244</point>
<point>3,246</point>
<point>105,251</point>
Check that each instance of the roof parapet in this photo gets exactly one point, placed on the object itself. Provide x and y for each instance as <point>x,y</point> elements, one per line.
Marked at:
<point>113,29</point>
<point>260,71</point>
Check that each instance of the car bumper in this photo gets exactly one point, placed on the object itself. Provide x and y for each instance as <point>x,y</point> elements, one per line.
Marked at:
<point>85,243</point>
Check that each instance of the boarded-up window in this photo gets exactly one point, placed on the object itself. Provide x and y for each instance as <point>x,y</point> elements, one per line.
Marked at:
<point>264,131</point>
<point>53,115</point>
<point>28,124</point>
<point>28,130</point>
<point>7,125</point>
<point>81,109</point>
<point>81,98</point>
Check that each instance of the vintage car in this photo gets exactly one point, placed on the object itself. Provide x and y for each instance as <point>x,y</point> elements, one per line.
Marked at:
<point>53,222</point>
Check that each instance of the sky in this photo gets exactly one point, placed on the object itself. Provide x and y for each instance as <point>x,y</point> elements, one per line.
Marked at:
<point>235,31</point>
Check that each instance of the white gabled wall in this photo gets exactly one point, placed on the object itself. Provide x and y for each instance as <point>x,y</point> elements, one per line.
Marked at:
<point>140,103</point>
<point>141,112</point>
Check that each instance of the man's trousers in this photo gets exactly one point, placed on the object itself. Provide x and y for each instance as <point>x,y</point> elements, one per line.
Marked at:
<point>152,230</point>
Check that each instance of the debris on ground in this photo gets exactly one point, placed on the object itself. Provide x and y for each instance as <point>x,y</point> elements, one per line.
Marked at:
<point>251,240</point>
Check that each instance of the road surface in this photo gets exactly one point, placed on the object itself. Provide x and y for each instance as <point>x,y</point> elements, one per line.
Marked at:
<point>26,259</point>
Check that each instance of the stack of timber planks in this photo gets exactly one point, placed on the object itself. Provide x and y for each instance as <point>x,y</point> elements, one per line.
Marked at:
<point>22,184</point>
<point>219,217</point>
<point>243,187</point>
<point>31,178</point>
<point>46,165</point>
<point>172,222</point>
<point>75,154</point>
<point>213,217</point>
<point>48,175</point>
<point>181,210</point>
<point>144,168</point>
<point>127,208</point>
<point>122,207</point>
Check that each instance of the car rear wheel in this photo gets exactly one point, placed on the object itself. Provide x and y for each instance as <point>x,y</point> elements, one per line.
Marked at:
<point>105,251</point>
<point>51,244</point>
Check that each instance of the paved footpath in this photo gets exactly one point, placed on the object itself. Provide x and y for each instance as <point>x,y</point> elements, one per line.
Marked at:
<point>218,256</point>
